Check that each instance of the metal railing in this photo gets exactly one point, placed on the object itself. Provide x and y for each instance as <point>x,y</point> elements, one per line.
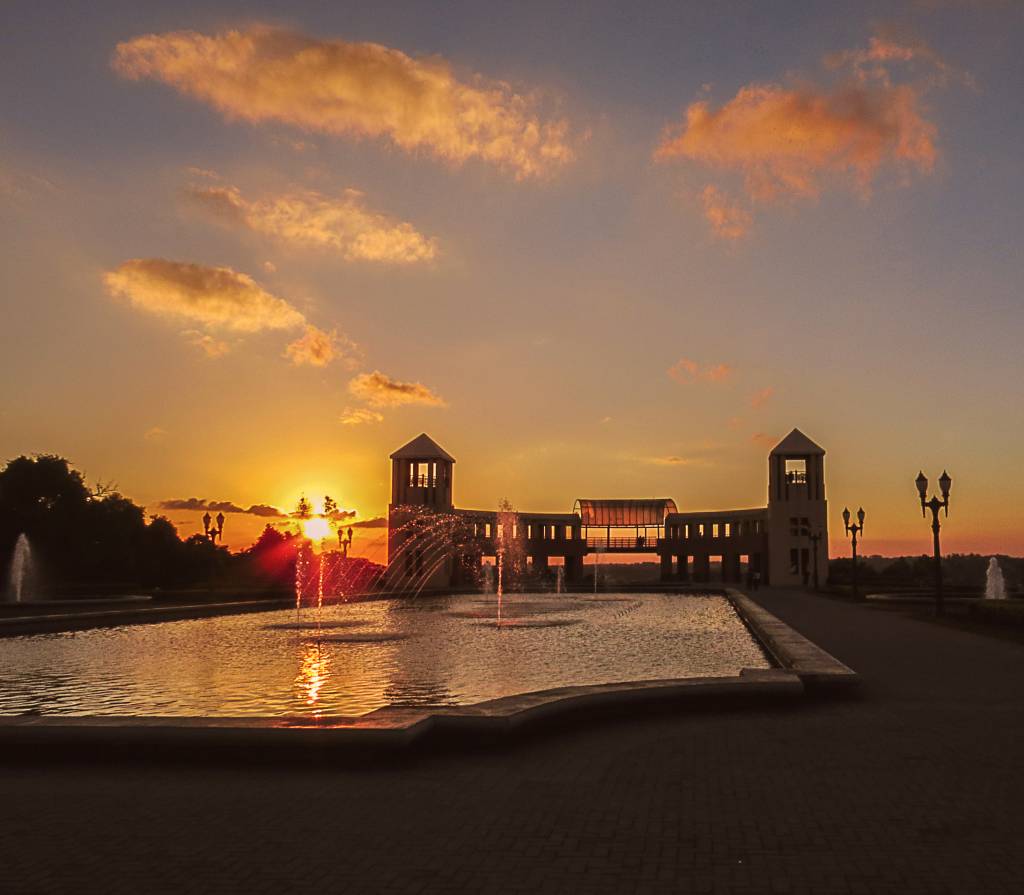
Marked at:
<point>622,543</point>
<point>424,481</point>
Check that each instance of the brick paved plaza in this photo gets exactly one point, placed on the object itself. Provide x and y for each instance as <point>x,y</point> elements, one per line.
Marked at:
<point>914,786</point>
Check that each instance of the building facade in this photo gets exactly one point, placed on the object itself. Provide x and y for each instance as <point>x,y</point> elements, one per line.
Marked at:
<point>431,543</point>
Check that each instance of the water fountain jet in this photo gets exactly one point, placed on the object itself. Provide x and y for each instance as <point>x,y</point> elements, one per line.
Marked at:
<point>21,568</point>
<point>995,586</point>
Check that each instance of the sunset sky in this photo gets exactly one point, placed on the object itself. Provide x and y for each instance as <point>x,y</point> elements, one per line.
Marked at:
<point>600,250</point>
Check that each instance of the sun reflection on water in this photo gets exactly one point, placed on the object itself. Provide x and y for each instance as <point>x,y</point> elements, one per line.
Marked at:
<point>313,674</point>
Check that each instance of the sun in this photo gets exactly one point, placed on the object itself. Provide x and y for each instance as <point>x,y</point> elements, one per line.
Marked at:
<point>317,528</point>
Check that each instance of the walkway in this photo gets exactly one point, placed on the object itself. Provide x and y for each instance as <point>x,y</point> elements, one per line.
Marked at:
<point>917,786</point>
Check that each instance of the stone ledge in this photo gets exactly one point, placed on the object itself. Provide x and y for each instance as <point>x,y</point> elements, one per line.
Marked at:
<point>18,625</point>
<point>817,669</point>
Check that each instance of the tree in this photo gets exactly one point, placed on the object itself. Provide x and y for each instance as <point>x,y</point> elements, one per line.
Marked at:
<point>97,539</point>
<point>272,556</point>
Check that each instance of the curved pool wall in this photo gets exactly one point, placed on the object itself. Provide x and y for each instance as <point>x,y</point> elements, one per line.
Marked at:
<point>351,659</point>
<point>800,668</point>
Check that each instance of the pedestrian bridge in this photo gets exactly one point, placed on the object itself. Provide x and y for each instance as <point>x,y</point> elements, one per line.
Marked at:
<point>623,525</point>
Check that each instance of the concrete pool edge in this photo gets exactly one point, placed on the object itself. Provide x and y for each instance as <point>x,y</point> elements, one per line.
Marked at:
<point>61,623</point>
<point>817,669</point>
<point>396,726</point>
<point>804,667</point>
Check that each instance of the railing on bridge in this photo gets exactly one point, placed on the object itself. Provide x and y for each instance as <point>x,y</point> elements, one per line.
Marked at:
<point>637,542</point>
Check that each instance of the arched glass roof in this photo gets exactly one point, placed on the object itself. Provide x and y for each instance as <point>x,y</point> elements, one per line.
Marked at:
<point>627,513</point>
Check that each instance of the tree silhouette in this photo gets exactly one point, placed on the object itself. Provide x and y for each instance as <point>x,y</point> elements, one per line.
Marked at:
<point>85,538</point>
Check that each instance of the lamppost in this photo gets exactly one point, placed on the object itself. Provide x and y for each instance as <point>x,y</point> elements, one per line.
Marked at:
<point>935,505</point>
<point>343,542</point>
<point>856,529</point>
<point>213,532</point>
<point>815,538</point>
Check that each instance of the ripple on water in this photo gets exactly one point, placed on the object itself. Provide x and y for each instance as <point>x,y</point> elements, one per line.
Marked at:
<point>527,623</point>
<point>359,637</point>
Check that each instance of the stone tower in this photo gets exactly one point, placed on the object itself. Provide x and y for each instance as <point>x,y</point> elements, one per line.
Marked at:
<point>796,510</point>
<point>421,485</point>
<point>421,475</point>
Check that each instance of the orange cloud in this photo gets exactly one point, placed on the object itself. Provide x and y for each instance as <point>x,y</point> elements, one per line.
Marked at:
<point>265,73</point>
<point>314,348</point>
<point>216,297</point>
<point>357,416</point>
<point>380,390</point>
<point>883,49</point>
<point>308,218</point>
<point>727,219</point>
<point>762,397</point>
<point>688,371</point>
<point>673,461</point>
<point>784,140</point>
<point>790,142</point>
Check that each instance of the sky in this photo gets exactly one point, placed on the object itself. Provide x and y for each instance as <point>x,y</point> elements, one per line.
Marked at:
<point>594,250</point>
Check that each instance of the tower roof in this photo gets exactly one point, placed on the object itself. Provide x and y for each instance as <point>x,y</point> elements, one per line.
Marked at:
<point>798,444</point>
<point>422,447</point>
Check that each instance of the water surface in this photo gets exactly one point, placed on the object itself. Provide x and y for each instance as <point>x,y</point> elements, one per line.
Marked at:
<point>358,657</point>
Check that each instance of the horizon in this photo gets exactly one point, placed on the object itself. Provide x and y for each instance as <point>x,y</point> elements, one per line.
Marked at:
<point>584,266</point>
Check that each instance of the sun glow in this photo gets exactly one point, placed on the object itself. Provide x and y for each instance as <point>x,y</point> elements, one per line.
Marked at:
<point>317,528</point>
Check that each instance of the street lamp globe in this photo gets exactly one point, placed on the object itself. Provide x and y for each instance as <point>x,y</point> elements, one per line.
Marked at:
<point>922,485</point>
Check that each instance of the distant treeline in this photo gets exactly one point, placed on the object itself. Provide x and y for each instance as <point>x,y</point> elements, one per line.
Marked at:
<point>959,570</point>
<point>94,539</point>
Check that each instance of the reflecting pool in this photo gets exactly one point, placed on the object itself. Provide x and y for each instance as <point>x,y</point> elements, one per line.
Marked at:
<point>357,657</point>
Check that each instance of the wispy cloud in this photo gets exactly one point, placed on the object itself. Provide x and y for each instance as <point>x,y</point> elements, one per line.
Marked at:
<point>357,416</point>
<point>220,299</point>
<point>676,461</point>
<point>219,506</point>
<point>728,220</point>
<point>154,433</point>
<point>205,173</point>
<point>265,73</point>
<point>762,397</point>
<point>343,224</point>
<point>380,390</point>
<point>317,348</point>
<point>211,346</point>
<point>687,371</point>
<point>792,141</point>
<point>215,297</point>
